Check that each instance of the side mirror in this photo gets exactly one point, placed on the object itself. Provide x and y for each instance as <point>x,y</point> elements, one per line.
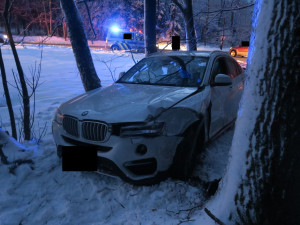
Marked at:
<point>222,80</point>
<point>121,74</point>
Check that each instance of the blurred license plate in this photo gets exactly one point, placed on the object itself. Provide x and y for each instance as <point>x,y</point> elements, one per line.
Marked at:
<point>79,158</point>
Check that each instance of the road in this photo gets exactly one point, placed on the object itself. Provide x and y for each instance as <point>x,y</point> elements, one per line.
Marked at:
<point>242,61</point>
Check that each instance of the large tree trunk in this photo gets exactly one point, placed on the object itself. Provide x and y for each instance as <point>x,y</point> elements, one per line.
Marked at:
<point>25,96</point>
<point>150,26</point>
<point>270,193</point>
<point>80,46</point>
<point>262,182</point>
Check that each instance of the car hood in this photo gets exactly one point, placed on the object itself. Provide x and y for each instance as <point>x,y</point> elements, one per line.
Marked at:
<point>121,102</point>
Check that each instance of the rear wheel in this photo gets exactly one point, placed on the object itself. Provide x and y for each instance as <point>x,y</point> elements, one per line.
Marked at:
<point>233,53</point>
<point>115,48</point>
<point>185,158</point>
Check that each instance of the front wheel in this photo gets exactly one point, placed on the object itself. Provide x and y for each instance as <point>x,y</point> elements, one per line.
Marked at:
<point>233,53</point>
<point>185,157</point>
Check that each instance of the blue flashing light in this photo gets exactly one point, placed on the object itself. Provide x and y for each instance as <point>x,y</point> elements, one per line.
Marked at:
<point>115,29</point>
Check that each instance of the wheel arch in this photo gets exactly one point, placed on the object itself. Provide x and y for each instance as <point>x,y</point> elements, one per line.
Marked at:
<point>184,160</point>
<point>115,45</point>
<point>200,129</point>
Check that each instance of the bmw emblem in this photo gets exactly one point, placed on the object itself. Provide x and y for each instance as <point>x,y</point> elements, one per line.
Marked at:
<point>85,113</point>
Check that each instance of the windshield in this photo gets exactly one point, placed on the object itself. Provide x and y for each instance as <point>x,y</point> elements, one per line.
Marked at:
<point>184,71</point>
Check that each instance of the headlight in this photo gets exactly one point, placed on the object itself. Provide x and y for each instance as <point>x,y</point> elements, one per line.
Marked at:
<point>5,36</point>
<point>147,129</point>
<point>58,117</point>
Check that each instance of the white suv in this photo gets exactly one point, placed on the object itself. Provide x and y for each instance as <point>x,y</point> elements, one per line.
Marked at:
<point>157,116</point>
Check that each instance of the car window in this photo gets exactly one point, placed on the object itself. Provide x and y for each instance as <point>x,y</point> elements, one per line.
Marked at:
<point>139,37</point>
<point>219,66</point>
<point>185,71</point>
<point>233,68</point>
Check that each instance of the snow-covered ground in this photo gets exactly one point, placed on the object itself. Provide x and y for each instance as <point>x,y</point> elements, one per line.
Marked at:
<point>38,192</point>
<point>97,43</point>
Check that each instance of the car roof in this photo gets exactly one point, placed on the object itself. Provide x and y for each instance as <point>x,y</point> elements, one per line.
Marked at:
<point>187,53</point>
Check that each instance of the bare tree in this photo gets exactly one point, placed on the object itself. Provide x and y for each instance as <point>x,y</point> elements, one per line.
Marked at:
<point>80,46</point>
<point>187,10</point>
<point>25,96</point>
<point>150,26</point>
<point>7,97</point>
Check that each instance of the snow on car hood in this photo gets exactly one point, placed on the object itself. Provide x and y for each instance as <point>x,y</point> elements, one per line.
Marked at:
<point>121,102</point>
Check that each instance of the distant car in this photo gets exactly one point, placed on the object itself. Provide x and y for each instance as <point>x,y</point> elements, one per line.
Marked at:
<point>156,117</point>
<point>3,39</point>
<point>241,50</point>
<point>122,40</point>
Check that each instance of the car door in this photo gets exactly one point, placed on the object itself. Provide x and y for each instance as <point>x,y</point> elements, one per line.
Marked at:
<point>219,97</point>
<point>235,90</point>
<point>244,51</point>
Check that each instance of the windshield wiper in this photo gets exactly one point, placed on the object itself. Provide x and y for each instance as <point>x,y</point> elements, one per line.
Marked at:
<point>142,82</point>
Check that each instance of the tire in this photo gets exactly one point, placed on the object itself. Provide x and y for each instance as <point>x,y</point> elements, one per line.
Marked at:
<point>59,151</point>
<point>141,50</point>
<point>233,53</point>
<point>115,48</point>
<point>185,157</point>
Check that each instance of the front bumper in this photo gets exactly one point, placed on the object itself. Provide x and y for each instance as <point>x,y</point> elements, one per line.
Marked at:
<point>119,156</point>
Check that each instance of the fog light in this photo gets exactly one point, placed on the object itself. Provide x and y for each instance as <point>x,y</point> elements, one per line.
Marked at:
<point>141,149</point>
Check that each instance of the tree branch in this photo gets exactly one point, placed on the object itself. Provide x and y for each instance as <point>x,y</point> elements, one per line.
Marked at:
<point>180,6</point>
<point>224,10</point>
<point>213,217</point>
<point>90,20</point>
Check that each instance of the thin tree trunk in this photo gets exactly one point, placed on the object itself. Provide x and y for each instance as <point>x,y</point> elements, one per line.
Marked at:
<point>65,32</point>
<point>189,24</point>
<point>50,16</point>
<point>206,24</point>
<point>80,46</point>
<point>150,26</point>
<point>232,25</point>
<point>25,96</point>
<point>223,35</point>
<point>187,11</point>
<point>8,100</point>
<point>45,18</point>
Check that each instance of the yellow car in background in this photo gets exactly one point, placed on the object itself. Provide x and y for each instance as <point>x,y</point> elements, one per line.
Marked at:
<point>241,50</point>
